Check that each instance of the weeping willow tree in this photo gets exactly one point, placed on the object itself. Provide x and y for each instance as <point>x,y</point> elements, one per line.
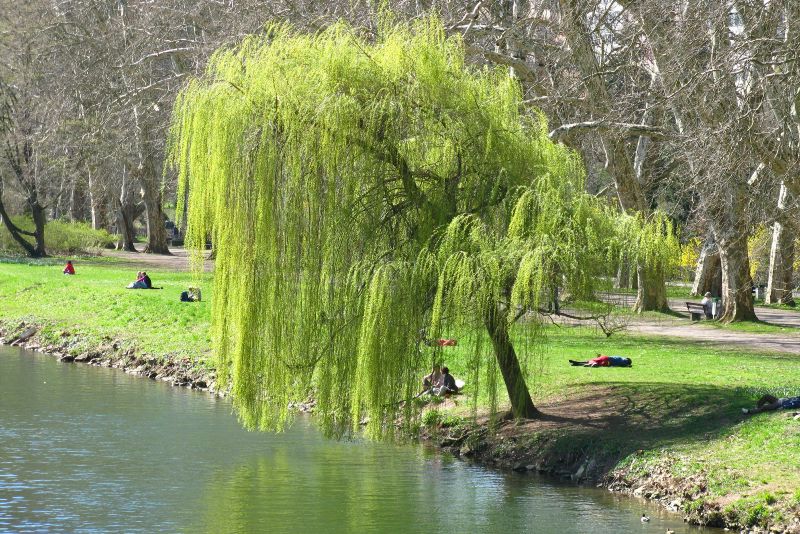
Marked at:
<point>650,243</point>
<point>363,196</point>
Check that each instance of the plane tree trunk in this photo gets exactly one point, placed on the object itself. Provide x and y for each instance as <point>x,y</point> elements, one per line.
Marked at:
<point>781,257</point>
<point>708,274</point>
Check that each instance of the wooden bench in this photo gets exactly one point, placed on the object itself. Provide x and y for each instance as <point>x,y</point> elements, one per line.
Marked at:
<point>696,310</point>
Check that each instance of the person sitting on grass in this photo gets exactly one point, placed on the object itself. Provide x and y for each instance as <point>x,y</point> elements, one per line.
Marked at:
<point>448,384</point>
<point>148,284</point>
<point>433,379</point>
<point>192,295</point>
<point>69,269</point>
<point>139,283</point>
<point>768,403</point>
<point>605,361</point>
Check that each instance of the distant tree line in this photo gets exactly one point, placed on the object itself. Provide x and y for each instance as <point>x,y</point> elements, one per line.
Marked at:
<point>690,107</point>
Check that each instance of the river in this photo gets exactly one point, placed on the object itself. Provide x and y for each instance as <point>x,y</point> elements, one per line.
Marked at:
<point>87,449</point>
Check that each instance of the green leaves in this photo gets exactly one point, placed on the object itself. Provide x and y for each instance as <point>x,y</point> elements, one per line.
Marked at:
<point>357,193</point>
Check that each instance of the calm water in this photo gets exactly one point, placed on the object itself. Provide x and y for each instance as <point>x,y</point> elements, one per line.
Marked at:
<point>84,449</point>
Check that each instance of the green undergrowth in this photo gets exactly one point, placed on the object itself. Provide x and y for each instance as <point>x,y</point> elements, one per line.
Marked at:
<point>59,236</point>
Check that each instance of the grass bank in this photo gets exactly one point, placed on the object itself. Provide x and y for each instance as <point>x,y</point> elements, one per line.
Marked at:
<point>669,428</point>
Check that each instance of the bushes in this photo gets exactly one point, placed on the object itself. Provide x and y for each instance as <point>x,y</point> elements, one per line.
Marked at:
<point>60,237</point>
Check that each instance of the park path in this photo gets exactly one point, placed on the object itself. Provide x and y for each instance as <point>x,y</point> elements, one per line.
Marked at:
<point>679,326</point>
<point>787,342</point>
<point>179,261</point>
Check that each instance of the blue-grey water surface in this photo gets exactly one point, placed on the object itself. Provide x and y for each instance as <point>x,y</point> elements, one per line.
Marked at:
<point>86,449</point>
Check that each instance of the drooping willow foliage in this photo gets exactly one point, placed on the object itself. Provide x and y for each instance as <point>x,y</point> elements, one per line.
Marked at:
<point>648,241</point>
<point>362,196</point>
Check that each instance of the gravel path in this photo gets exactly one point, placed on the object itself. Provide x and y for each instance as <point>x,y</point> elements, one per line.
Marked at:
<point>683,327</point>
<point>679,326</point>
<point>179,261</point>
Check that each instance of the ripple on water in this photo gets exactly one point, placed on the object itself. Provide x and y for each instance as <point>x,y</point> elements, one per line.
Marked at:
<point>96,450</point>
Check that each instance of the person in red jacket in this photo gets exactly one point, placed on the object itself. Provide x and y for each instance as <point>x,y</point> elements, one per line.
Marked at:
<point>605,361</point>
<point>69,269</point>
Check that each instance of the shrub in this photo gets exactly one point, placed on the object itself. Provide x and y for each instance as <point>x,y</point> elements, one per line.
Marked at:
<point>60,237</point>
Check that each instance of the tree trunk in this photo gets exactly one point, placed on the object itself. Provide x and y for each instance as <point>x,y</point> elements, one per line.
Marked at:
<point>708,275</point>
<point>39,221</point>
<point>151,195</point>
<point>98,206</point>
<point>34,251</point>
<point>127,212</point>
<point>521,403</point>
<point>623,278</point>
<point>651,294</point>
<point>781,258</point>
<point>737,296</point>
<point>618,162</point>
<point>156,232</point>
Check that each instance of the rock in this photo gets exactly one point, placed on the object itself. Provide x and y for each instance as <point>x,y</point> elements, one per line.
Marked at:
<point>466,450</point>
<point>530,467</point>
<point>24,336</point>
<point>67,358</point>
<point>579,473</point>
<point>520,468</point>
<point>675,505</point>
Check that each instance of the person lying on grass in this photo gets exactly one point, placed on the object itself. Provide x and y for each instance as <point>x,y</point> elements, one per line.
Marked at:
<point>605,361</point>
<point>769,403</point>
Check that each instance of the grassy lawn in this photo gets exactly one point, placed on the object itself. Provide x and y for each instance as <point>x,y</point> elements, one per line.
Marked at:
<point>678,405</point>
<point>95,303</point>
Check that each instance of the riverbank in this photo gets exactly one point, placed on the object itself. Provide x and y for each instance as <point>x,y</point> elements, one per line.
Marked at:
<point>669,429</point>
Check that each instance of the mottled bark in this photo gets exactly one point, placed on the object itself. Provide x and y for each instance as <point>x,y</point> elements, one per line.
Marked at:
<point>127,213</point>
<point>708,274</point>
<point>652,291</point>
<point>737,296</point>
<point>154,215</point>
<point>150,179</point>
<point>781,257</point>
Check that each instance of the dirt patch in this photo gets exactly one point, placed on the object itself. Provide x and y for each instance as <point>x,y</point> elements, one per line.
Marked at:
<point>178,261</point>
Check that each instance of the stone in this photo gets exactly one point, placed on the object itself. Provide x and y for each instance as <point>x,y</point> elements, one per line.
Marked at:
<point>579,473</point>
<point>24,336</point>
<point>67,358</point>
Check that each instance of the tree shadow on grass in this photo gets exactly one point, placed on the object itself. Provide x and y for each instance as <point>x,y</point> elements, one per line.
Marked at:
<point>612,420</point>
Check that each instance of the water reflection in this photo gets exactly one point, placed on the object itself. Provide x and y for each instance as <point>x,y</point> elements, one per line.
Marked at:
<point>95,450</point>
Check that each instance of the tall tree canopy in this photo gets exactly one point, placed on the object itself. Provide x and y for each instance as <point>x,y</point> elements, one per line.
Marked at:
<point>362,195</point>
